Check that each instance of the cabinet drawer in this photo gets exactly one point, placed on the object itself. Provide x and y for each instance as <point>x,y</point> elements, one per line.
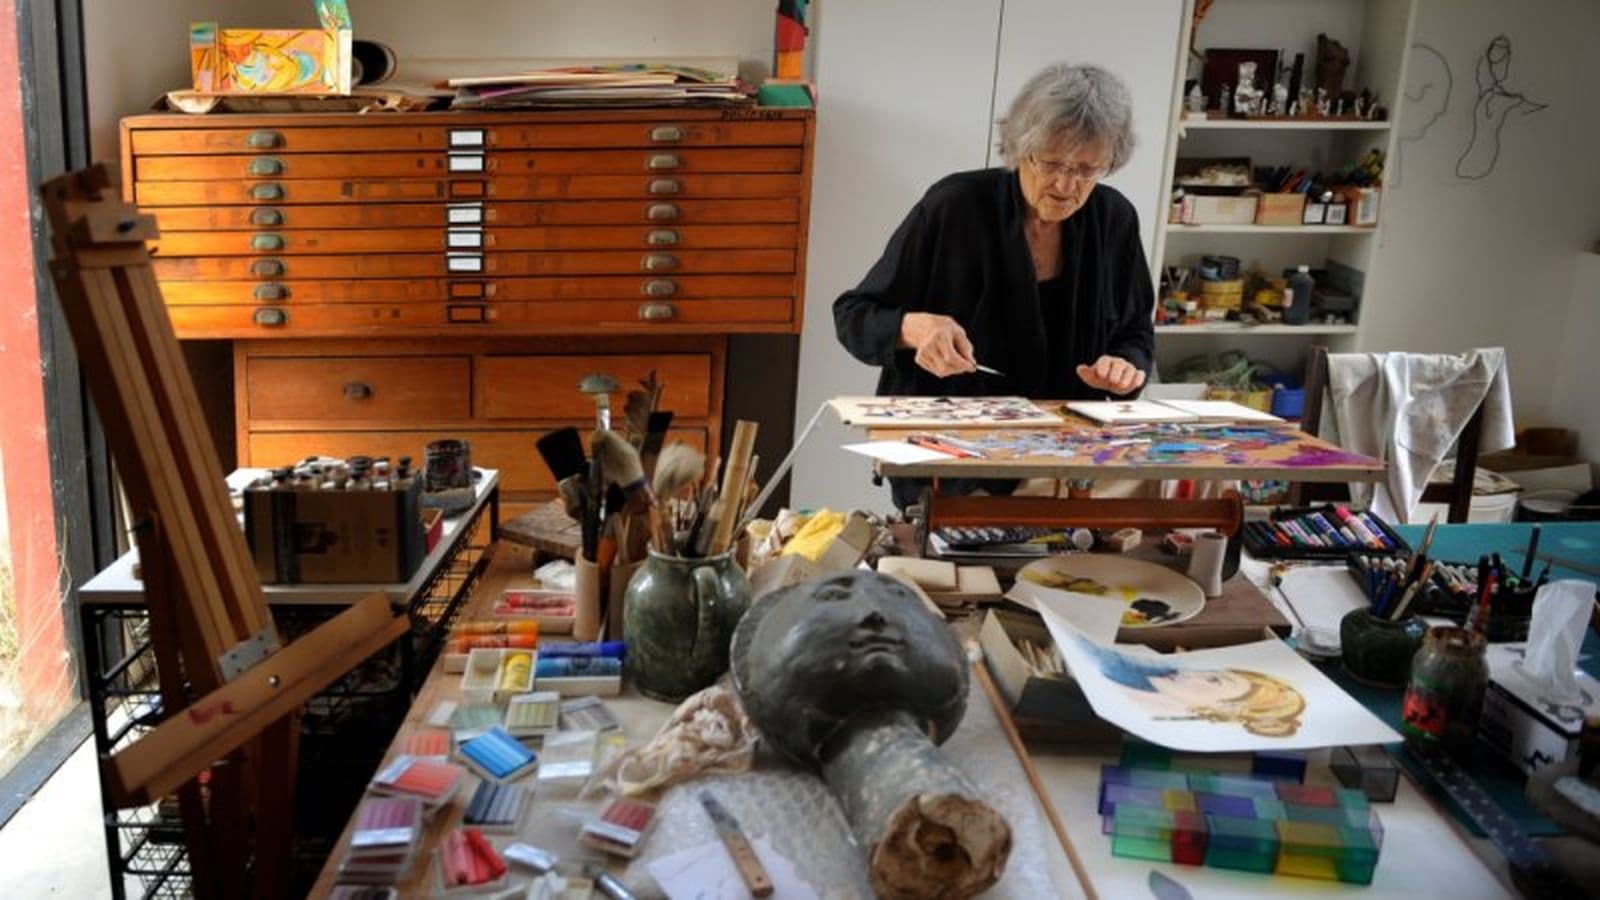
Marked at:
<point>522,471</point>
<point>301,139</point>
<point>359,388</point>
<point>406,190</point>
<point>411,290</point>
<point>546,387</point>
<point>438,215</point>
<point>433,165</point>
<point>377,320</point>
<point>424,265</point>
<point>421,240</point>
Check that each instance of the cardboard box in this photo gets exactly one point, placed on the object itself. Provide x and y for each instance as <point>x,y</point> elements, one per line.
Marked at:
<point>274,60</point>
<point>1363,205</point>
<point>1281,209</point>
<point>1529,730</point>
<point>1030,694</point>
<point>1203,210</point>
<point>335,537</point>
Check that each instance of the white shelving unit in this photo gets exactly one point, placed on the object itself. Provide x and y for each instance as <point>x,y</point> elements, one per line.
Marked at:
<point>1377,33</point>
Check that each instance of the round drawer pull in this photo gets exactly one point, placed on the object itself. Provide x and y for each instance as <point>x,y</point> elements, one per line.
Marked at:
<point>661,212</point>
<point>357,390</point>
<point>266,165</point>
<point>267,217</point>
<point>266,242</point>
<point>659,287</point>
<point>663,161</point>
<point>271,291</point>
<point>271,317</point>
<point>657,312</point>
<point>659,262</point>
<point>666,134</point>
<point>267,268</point>
<point>665,186</point>
<point>661,237</point>
<point>264,140</point>
<point>266,192</point>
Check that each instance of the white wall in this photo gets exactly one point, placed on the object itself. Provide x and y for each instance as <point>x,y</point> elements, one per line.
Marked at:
<point>1491,262</point>
<point>893,121</point>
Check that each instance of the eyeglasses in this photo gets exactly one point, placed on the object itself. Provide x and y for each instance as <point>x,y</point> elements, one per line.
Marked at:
<point>1053,170</point>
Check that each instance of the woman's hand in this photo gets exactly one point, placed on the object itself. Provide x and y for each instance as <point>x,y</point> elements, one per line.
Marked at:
<point>941,343</point>
<point>1113,374</point>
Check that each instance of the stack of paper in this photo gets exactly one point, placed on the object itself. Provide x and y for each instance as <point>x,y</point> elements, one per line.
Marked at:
<point>608,84</point>
<point>1150,412</point>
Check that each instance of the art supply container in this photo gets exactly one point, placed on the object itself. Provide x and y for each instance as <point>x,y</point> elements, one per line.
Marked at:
<point>1445,695</point>
<point>616,589</point>
<point>1207,562</point>
<point>589,590</point>
<point>1378,651</point>
<point>447,476</point>
<point>679,615</point>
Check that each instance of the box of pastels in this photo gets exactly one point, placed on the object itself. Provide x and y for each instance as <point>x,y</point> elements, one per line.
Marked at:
<point>496,674</point>
<point>574,670</point>
<point>555,611</point>
<point>1332,532</point>
<point>473,634</point>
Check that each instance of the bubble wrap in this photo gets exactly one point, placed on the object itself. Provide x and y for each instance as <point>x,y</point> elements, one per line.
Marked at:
<point>794,809</point>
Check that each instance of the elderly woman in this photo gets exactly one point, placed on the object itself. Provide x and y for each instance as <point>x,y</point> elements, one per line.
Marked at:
<point>1034,269</point>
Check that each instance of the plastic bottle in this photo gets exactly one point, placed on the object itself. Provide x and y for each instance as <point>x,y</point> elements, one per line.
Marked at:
<point>1298,312</point>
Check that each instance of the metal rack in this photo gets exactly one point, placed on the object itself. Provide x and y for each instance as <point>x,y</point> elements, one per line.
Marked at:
<point>344,730</point>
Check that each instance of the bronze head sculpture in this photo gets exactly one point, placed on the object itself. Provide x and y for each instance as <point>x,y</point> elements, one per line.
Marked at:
<point>852,675</point>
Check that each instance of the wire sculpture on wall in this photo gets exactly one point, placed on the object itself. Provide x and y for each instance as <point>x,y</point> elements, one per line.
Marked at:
<point>1494,107</point>
<point>1437,76</point>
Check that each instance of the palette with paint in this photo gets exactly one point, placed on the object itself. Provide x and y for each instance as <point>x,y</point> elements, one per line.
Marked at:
<point>1154,594</point>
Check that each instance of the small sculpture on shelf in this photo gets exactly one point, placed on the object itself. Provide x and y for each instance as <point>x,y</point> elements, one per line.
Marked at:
<point>1332,61</point>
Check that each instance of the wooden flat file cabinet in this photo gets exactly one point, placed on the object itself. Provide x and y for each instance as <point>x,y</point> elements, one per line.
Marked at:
<point>391,278</point>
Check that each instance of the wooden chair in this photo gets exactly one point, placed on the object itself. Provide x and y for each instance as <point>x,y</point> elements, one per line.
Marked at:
<point>1458,493</point>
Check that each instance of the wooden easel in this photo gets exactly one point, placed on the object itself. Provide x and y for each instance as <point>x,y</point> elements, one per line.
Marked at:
<point>230,691</point>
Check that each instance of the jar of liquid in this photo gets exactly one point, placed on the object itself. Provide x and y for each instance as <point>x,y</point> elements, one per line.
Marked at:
<point>1445,694</point>
<point>1298,310</point>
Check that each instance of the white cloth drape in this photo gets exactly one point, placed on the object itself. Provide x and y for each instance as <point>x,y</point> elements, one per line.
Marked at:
<point>1409,408</point>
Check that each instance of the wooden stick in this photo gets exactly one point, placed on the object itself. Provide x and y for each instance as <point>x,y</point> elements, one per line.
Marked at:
<point>734,476</point>
<point>981,673</point>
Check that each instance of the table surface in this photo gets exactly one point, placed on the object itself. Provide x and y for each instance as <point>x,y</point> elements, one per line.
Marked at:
<point>1081,449</point>
<point>116,584</point>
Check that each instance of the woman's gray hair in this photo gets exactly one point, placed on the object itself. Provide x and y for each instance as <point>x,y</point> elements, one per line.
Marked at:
<point>1077,104</point>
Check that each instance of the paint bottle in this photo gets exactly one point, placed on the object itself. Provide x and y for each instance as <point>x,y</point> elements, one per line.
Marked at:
<point>1298,312</point>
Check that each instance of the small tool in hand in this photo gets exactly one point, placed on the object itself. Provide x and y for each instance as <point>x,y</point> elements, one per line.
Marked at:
<point>988,371</point>
<point>744,856</point>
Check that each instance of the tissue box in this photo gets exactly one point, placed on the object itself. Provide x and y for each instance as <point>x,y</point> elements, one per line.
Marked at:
<point>274,60</point>
<point>1529,731</point>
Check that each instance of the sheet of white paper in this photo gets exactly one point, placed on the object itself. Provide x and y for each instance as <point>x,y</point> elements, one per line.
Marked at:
<point>1253,696</point>
<point>898,452</point>
<point>707,872</point>
<point>1320,596</point>
<point>1097,617</point>
<point>1221,410</point>
<point>1128,412</point>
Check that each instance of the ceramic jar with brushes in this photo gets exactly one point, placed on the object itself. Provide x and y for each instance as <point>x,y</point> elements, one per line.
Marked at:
<point>683,603</point>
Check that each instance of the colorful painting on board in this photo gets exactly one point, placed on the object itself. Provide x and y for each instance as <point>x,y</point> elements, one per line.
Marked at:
<point>933,412</point>
<point>1246,697</point>
<point>274,60</point>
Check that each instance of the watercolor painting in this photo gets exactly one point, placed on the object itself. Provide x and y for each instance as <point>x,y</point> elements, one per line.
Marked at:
<point>1246,697</point>
<point>919,412</point>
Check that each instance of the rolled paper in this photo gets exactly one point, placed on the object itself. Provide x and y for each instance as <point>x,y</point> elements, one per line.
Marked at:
<point>1205,566</point>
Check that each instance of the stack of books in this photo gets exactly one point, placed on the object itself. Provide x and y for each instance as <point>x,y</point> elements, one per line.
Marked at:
<point>610,84</point>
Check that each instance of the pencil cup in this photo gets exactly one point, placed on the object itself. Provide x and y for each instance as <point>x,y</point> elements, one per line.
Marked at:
<point>616,589</point>
<point>1205,564</point>
<point>588,592</point>
<point>1377,651</point>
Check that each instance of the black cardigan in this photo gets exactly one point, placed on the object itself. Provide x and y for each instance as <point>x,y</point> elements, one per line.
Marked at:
<point>961,252</point>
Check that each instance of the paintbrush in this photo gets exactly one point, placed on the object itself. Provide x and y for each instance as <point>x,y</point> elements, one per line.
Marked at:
<point>679,471</point>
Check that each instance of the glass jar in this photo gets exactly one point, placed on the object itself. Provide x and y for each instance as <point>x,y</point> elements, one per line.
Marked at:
<point>1445,695</point>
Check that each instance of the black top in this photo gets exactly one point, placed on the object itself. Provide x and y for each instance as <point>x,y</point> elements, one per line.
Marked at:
<point>961,252</point>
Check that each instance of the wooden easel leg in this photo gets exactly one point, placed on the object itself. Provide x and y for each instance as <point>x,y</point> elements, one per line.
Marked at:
<point>277,756</point>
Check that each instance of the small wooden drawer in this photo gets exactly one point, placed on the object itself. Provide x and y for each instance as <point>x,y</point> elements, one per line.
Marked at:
<point>468,264</point>
<point>546,387</point>
<point>438,215</point>
<point>375,388</point>
<point>357,189</point>
<point>498,290</point>
<point>422,240</point>
<point>346,139</point>
<point>433,165</point>
<point>522,472</point>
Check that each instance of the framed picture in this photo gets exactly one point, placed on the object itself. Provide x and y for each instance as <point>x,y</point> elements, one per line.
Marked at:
<point>1222,68</point>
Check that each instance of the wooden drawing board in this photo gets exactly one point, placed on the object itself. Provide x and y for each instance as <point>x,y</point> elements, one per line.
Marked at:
<point>1080,449</point>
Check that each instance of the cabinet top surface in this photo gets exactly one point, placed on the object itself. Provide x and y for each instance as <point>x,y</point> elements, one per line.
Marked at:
<point>453,117</point>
